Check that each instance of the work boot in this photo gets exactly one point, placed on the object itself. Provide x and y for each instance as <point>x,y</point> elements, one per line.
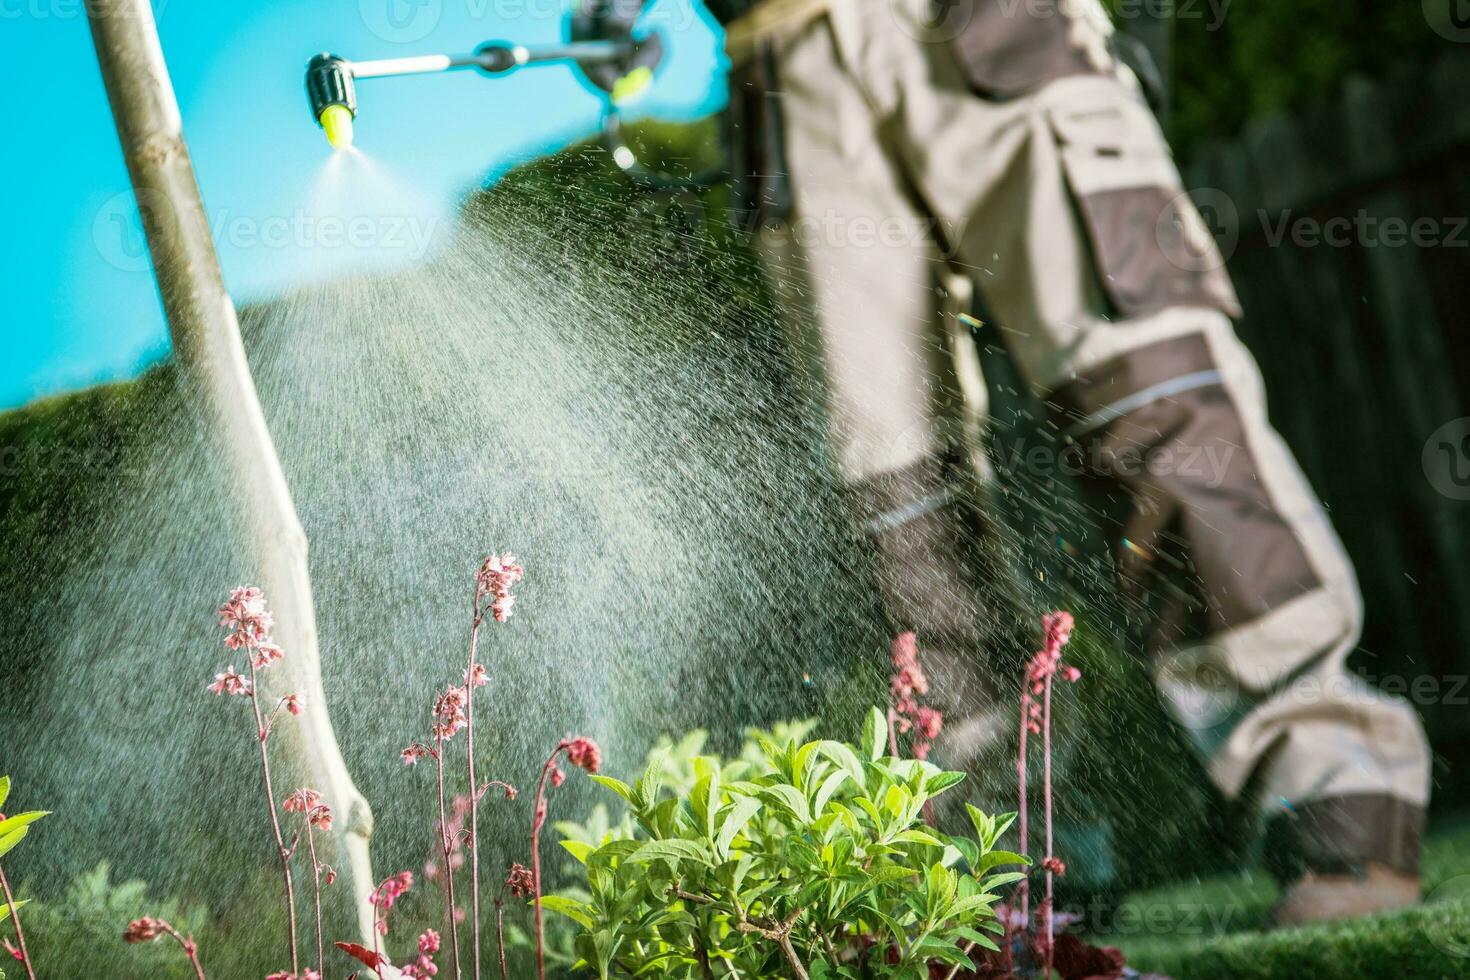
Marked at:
<point>1344,857</point>
<point>1318,897</point>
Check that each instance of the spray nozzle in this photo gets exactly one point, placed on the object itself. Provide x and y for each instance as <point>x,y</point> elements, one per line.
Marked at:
<point>612,59</point>
<point>333,96</point>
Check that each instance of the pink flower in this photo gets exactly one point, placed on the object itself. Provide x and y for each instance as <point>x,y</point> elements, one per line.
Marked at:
<point>230,682</point>
<point>143,930</point>
<point>244,614</point>
<point>429,941</point>
<point>449,713</point>
<point>583,753</point>
<point>507,788</point>
<point>557,776</point>
<point>1071,674</point>
<point>414,753</point>
<point>265,654</point>
<point>292,703</point>
<point>498,573</point>
<point>302,801</point>
<point>930,723</point>
<point>477,677</point>
<point>501,607</point>
<point>1055,866</point>
<point>494,579</point>
<point>908,684</point>
<point>389,890</point>
<point>1058,628</point>
<point>519,881</point>
<point>309,802</point>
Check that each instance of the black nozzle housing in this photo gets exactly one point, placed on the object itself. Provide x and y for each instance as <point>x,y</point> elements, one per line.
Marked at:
<point>496,57</point>
<point>328,83</point>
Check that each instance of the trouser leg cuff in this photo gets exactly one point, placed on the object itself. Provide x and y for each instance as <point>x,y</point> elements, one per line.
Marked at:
<point>1339,835</point>
<point>924,534</point>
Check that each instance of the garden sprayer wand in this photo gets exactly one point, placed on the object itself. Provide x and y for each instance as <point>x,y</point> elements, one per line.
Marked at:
<point>604,51</point>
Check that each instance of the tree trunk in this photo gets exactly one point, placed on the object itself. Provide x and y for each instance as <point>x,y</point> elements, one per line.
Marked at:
<point>211,360</point>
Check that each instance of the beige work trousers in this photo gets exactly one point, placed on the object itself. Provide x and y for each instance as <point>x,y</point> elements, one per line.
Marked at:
<point>1055,192</point>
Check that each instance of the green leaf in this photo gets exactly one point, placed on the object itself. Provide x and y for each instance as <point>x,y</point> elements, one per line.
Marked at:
<point>791,798</point>
<point>651,782</point>
<point>736,817</point>
<point>830,786</point>
<point>578,849</point>
<point>1001,880</point>
<point>984,826</point>
<point>10,840</point>
<point>939,783</point>
<point>571,908</point>
<point>613,850</point>
<point>968,849</point>
<point>843,756</point>
<point>5,909</point>
<point>11,824</point>
<point>617,786</point>
<point>918,837</point>
<point>1002,824</point>
<point>973,903</point>
<point>4,789</point>
<point>992,858</point>
<point>673,850</point>
<point>875,735</point>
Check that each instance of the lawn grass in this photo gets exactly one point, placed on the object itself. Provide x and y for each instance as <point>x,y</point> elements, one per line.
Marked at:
<point>1214,929</point>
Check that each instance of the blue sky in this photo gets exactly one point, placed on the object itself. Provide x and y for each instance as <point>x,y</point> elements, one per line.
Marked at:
<point>81,305</point>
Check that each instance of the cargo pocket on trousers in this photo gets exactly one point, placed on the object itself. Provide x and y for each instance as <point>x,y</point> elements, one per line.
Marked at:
<point>1151,247</point>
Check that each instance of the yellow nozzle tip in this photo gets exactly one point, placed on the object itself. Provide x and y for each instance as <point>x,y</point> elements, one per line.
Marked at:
<point>337,121</point>
<point>632,85</point>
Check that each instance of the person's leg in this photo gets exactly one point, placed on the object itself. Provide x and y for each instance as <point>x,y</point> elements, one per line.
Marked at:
<point>1064,201</point>
<point>854,267</point>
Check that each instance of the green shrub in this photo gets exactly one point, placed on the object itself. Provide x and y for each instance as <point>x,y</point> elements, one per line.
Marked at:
<point>797,859</point>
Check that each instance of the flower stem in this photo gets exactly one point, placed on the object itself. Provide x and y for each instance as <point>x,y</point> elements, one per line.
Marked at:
<point>1046,793</point>
<point>500,935</point>
<point>188,946</point>
<point>469,714</point>
<point>446,847</point>
<point>538,820</point>
<point>20,936</point>
<point>1024,887</point>
<point>316,894</point>
<point>377,922</point>
<point>270,800</point>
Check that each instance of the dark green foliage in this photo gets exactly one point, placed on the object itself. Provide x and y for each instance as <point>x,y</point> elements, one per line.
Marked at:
<point>1258,56</point>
